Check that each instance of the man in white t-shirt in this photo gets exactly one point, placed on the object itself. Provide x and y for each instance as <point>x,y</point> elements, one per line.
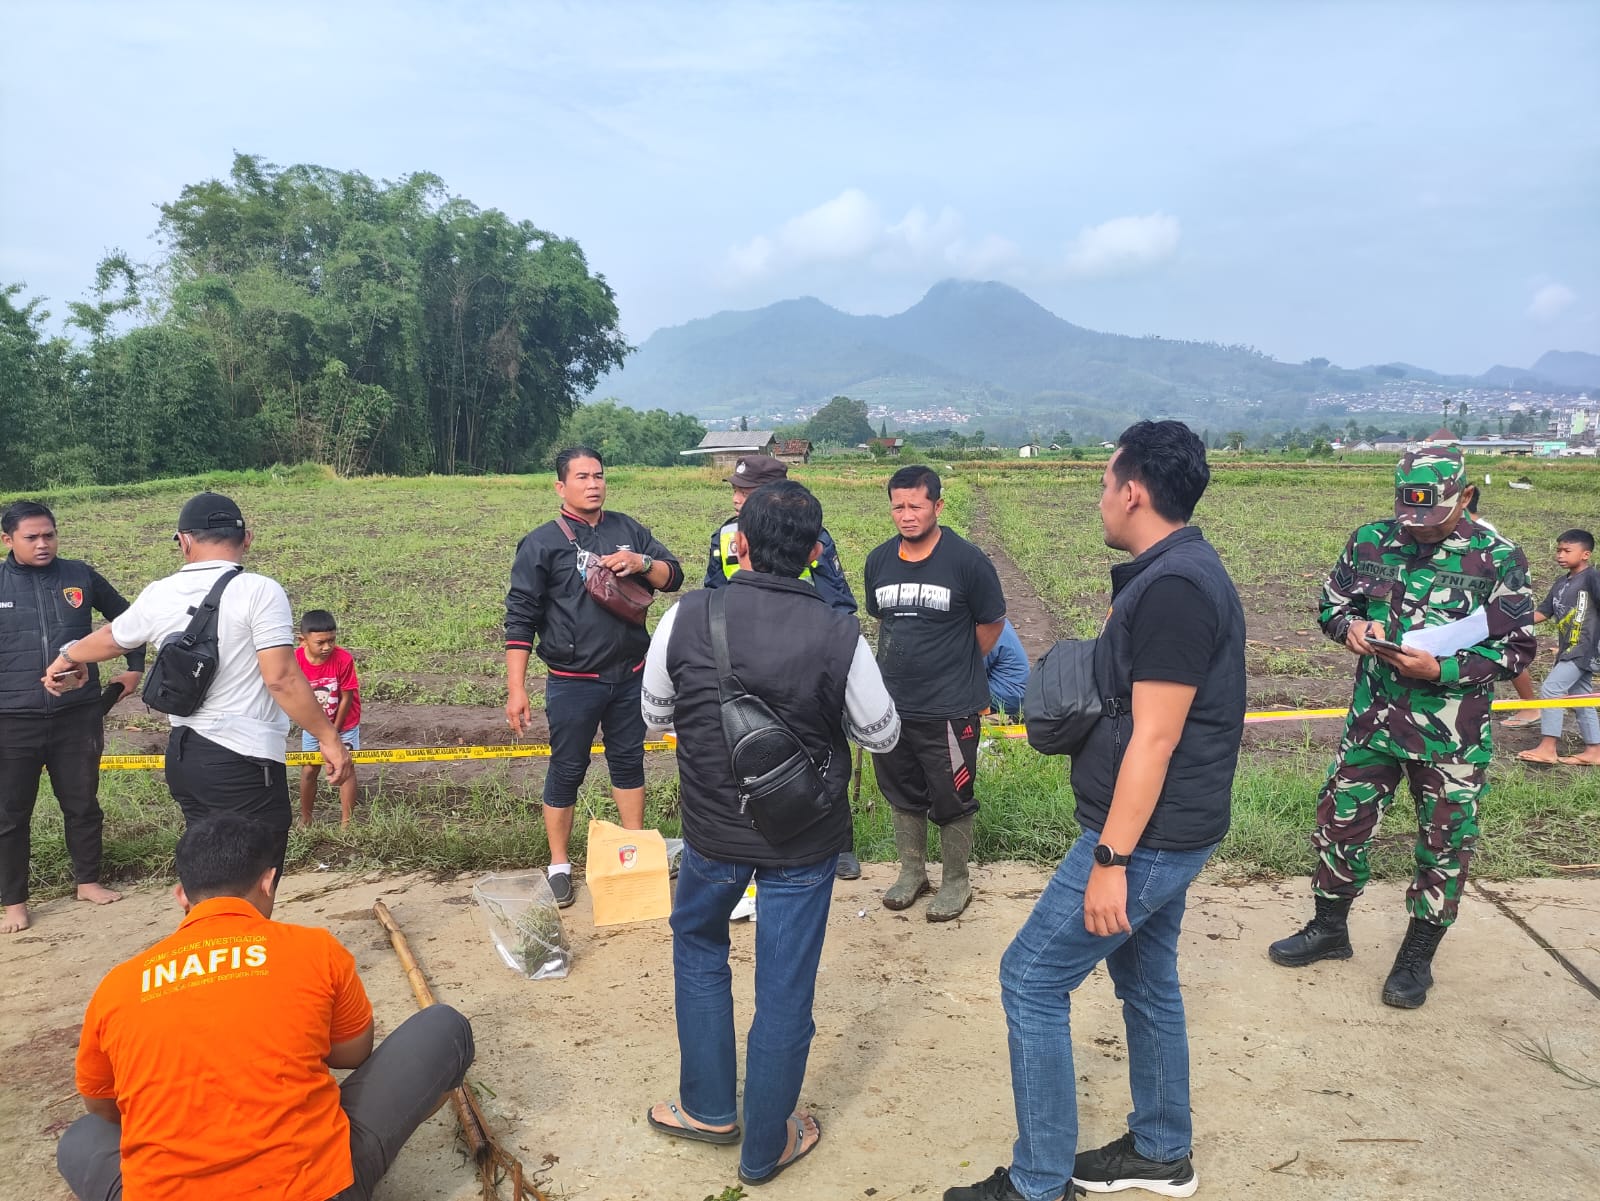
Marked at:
<point>227,756</point>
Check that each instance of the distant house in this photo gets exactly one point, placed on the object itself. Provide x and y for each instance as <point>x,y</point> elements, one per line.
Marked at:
<point>891,446</point>
<point>724,448</point>
<point>1441,437</point>
<point>1496,446</point>
<point>1055,446</point>
<point>1027,450</point>
<point>1359,446</point>
<point>1391,442</point>
<point>793,450</point>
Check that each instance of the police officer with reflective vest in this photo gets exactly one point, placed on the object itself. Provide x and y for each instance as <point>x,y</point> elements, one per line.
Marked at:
<point>825,575</point>
<point>45,603</point>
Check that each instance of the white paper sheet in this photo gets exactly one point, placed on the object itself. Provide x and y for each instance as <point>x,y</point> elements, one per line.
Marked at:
<point>1443,641</point>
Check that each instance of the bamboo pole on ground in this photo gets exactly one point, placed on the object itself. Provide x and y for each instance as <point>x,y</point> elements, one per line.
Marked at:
<point>488,1156</point>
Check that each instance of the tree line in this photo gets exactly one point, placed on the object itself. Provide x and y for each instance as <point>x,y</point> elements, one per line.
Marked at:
<point>306,314</point>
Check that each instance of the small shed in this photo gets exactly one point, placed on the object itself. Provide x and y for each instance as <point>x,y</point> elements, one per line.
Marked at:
<point>891,446</point>
<point>794,450</point>
<point>1027,450</point>
<point>724,448</point>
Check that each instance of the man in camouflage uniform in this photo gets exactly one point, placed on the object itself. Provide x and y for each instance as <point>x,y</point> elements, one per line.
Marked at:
<point>1412,714</point>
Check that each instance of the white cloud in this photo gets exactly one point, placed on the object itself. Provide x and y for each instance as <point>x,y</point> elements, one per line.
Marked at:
<point>843,229</point>
<point>1123,245</point>
<point>850,228</point>
<point>1550,301</point>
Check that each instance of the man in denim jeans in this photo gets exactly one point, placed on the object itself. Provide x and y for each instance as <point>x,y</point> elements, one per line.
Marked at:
<point>811,666</point>
<point>1153,785</point>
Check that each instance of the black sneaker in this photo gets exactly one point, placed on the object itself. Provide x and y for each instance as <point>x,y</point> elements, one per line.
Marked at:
<point>561,885</point>
<point>997,1187</point>
<point>849,867</point>
<point>1116,1166</point>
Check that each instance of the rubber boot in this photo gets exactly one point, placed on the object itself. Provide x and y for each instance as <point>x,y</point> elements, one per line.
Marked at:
<point>1325,936</point>
<point>955,886</point>
<point>911,842</point>
<point>1412,973</point>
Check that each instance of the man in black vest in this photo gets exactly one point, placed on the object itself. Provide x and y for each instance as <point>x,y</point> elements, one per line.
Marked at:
<point>826,574</point>
<point>1153,785</point>
<point>811,666</point>
<point>45,602</point>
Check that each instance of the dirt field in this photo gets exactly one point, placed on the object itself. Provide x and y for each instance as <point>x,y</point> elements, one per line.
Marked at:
<point>1305,1086</point>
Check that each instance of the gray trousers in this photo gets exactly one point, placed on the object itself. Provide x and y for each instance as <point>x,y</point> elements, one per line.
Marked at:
<point>386,1099</point>
<point>1566,678</point>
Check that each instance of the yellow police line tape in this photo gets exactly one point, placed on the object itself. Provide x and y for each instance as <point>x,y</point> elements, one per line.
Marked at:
<point>452,754</point>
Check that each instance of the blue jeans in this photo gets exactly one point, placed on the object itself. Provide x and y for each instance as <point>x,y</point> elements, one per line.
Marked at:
<point>575,709</point>
<point>1051,955</point>
<point>791,920</point>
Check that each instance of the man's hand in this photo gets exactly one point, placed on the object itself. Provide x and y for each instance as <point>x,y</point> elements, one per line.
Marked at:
<point>1355,636</point>
<point>519,712</point>
<point>624,562</point>
<point>129,681</point>
<point>1411,662</point>
<point>1105,902</point>
<point>337,759</point>
<point>62,677</point>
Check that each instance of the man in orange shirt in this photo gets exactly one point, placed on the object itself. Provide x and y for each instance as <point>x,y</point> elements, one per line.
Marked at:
<point>205,1062</point>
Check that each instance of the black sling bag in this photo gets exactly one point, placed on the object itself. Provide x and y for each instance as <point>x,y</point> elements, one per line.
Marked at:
<point>780,788</point>
<point>186,661</point>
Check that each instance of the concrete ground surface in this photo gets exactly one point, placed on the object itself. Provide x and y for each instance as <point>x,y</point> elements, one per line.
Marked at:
<point>1305,1085</point>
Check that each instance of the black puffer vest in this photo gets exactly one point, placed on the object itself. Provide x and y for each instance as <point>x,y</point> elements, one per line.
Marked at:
<point>789,648</point>
<point>36,616</point>
<point>1196,798</point>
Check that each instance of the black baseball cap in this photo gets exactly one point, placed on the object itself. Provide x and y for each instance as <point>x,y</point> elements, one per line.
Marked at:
<point>210,511</point>
<point>754,470</point>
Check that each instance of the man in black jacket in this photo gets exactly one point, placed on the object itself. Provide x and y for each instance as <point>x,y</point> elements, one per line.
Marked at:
<point>811,666</point>
<point>592,658</point>
<point>45,602</point>
<point>1153,786</point>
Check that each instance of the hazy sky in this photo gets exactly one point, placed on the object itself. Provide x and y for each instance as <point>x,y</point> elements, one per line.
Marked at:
<point>1365,182</point>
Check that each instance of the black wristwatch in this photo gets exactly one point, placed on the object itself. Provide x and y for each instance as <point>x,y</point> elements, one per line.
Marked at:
<point>1106,857</point>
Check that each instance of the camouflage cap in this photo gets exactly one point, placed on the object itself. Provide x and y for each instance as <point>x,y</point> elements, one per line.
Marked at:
<point>1427,484</point>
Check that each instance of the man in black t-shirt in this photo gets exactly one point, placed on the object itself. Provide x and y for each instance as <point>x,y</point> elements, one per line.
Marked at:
<point>940,610</point>
<point>1153,785</point>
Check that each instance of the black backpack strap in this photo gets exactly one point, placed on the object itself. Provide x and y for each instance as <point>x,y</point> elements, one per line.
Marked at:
<point>728,685</point>
<point>205,613</point>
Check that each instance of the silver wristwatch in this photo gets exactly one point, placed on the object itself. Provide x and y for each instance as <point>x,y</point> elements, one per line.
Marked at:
<point>645,564</point>
<point>65,648</point>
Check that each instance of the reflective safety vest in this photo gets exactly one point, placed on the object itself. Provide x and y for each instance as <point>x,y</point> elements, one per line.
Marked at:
<point>730,561</point>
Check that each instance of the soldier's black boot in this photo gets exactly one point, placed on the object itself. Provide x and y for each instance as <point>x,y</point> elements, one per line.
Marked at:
<point>1326,936</point>
<point>1412,973</point>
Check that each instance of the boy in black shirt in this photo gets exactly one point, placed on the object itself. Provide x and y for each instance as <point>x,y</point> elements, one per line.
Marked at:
<point>1573,604</point>
<point>940,610</point>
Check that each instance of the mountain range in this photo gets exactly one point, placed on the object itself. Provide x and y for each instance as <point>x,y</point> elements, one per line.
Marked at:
<point>986,347</point>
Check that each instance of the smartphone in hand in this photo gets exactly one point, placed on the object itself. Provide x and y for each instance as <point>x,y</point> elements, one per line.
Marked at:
<point>1384,644</point>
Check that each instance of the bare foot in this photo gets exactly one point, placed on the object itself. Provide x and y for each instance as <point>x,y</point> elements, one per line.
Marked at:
<point>666,1114</point>
<point>1589,758</point>
<point>1538,757</point>
<point>16,920</point>
<point>98,894</point>
<point>1520,721</point>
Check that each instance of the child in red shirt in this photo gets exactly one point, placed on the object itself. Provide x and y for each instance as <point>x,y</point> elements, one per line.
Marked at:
<point>332,674</point>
